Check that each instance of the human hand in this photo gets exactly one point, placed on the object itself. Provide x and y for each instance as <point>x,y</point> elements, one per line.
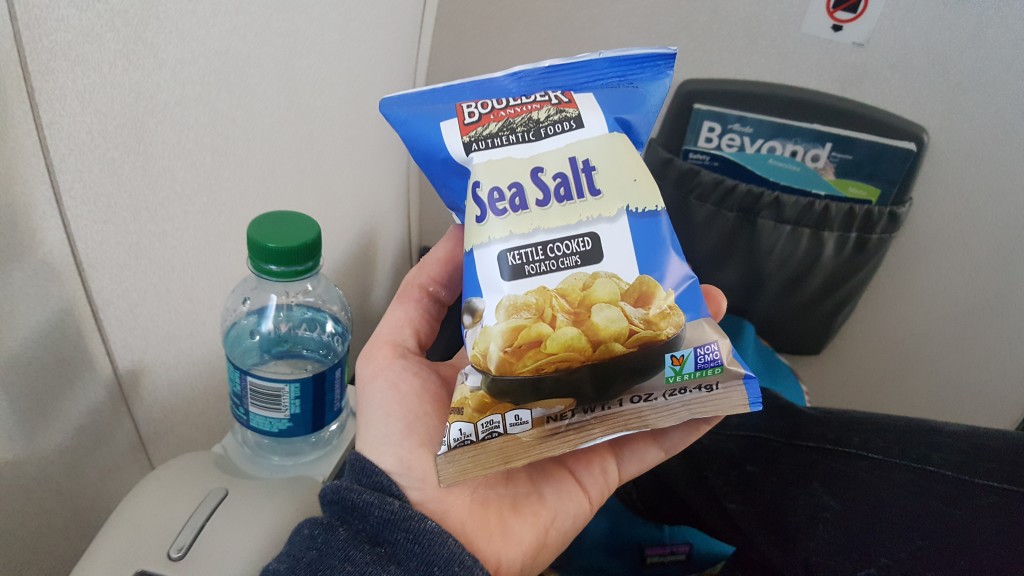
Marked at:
<point>403,401</point>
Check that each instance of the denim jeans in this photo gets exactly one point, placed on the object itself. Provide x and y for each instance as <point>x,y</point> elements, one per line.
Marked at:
<point>835,492</point>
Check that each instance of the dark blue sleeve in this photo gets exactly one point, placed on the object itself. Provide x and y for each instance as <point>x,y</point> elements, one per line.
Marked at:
<point>369,527</point>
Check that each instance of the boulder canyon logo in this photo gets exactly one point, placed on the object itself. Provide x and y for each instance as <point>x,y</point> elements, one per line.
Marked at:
<point>499,122</point>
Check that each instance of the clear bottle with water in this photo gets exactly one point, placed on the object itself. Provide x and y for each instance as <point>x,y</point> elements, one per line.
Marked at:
<point>286,331</point>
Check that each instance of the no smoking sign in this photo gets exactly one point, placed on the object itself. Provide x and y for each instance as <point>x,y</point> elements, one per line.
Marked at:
<point>850,21</point>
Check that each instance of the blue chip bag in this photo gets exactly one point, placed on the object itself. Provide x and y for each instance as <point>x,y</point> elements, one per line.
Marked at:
<point>581,318</point>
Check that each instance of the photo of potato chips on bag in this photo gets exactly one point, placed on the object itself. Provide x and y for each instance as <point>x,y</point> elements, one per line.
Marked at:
<point>543,336</point>
<point>581,318</point>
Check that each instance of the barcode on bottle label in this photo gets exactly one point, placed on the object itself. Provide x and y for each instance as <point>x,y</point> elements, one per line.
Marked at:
<point>269,399</point>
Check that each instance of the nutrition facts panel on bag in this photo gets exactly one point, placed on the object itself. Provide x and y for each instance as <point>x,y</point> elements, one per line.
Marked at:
<point>518,421</point>
<point>464,433</point>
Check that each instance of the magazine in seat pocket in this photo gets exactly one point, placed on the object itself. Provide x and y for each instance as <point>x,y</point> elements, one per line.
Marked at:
<point>795,266</point>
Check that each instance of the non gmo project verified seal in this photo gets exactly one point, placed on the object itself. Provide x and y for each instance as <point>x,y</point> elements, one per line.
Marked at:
<point>694,363</point>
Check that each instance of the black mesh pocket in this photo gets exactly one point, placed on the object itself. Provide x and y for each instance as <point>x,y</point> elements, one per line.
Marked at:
<point>794,266</point>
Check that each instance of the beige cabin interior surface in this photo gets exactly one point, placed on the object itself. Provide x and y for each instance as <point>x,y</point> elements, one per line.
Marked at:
<point>68,448</point>
<point>937,332</point>
<point>137,140</point>
<point>168,125</point>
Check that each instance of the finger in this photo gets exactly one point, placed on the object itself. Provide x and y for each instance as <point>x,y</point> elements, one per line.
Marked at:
<point>414,315</point>
<point>716,301</point>
<point>638,453</point>
<point>602,468</point>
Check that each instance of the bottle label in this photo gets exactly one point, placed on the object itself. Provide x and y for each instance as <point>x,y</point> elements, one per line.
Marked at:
<point>287,408</point>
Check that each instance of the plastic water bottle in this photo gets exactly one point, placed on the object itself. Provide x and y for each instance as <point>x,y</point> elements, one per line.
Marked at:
<point>286,331</point>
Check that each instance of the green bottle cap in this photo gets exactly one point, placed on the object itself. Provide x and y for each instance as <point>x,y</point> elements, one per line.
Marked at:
<point>284,245</point>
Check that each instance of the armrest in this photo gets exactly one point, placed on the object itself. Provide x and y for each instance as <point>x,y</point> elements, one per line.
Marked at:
<point>208,513</point>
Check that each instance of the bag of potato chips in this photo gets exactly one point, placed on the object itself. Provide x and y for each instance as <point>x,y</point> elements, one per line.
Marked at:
<point>581,317</point>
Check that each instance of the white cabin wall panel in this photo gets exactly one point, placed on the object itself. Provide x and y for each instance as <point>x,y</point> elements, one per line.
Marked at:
<point>68,449</point>
<point>171,124</point>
